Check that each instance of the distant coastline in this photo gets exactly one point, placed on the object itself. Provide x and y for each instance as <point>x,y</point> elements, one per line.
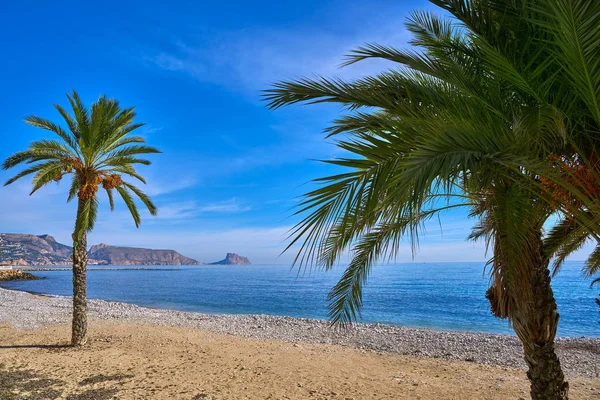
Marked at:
<point>92,268</point>
<point>27,250</point>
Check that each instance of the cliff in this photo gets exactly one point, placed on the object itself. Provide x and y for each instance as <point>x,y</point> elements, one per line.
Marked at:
<point>116,255</point>
<point>43,250</point>
<point>232,259</point>
<point>24,249</point>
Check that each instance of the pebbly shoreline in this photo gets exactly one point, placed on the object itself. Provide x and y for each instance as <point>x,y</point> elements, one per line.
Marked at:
<point>579,356</point>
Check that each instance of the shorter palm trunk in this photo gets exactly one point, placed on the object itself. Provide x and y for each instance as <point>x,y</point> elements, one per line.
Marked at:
<point>79,326</point>
<point>536,325</point>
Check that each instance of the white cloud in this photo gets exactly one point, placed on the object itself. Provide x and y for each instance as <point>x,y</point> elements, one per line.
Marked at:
<point>227,206</point>
<point>177,212</point>
<point>157,187</point>
<point>255,58</point>
<point>149,129</point>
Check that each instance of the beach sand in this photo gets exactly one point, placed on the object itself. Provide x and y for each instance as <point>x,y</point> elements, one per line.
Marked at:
<point>143,353</point>
<point>143,361</point>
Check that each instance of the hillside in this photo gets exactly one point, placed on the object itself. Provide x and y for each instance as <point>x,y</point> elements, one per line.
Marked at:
<point>43,250</point>
<point>116,255</point>
<point>24,249</point>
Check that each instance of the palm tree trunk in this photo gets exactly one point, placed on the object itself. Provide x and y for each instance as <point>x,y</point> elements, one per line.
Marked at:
<point>80,259</point>
<point>535,323</point>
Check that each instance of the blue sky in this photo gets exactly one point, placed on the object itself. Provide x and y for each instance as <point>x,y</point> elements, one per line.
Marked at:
<point>231,170</point>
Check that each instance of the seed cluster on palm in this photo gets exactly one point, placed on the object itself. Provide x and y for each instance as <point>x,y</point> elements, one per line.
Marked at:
<point>97,150</point>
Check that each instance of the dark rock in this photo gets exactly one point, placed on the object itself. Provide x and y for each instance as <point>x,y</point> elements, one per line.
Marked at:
<point>17,275</point>
<point>232,259</point>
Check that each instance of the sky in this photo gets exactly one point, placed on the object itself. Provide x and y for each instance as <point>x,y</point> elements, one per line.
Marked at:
<point>231,170</point>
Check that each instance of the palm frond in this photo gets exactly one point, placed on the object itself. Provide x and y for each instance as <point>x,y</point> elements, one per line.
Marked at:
<point>70,140</point>
<point>574,26</point>
<point>73,189</point>
<point>28,171</point>
<point>126,196</point>
<point>564,238</point>
<point>592,263</point>
<point>111,200</point>
<point>144,198</point>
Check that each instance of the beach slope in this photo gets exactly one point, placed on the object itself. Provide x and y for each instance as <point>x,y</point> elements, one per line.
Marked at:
<point>136,352</point>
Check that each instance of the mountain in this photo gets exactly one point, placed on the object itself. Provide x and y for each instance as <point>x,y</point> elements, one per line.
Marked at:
<point>24,249</point>
<point>232,259</point>
<point>43,250</point>
<point>116,255</point>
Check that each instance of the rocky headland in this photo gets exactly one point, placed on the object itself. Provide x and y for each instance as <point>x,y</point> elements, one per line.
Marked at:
<point>232,259</point>
<point>16,275</point>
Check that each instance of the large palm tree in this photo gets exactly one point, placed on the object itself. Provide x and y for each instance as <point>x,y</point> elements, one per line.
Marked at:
<point>97,150</point>
<point>472,117</point>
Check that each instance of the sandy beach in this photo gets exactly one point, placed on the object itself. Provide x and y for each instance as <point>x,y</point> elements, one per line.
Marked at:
<point>142,353</point>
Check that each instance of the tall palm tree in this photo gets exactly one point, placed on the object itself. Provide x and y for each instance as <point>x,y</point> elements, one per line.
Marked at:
<point>96,150</point>
<point>470,119</point>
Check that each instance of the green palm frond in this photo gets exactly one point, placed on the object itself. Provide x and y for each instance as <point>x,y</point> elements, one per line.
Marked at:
<point>111,200</point>
<point>574,26</point>
<point>129,170</point>
<point>85,213</point>
<point>124,141</point>
<point>71,123</point>
<point>69,139</point>
<point>132,150</point>
<point>46,175</point>
<point>144,198</point>
<point>74,189</point>
<point>81,115</point>
<point>564,238</point>
<point>126,196</point>
<point>115,162</point>
<point>592,263</point>
<point>28,171</point>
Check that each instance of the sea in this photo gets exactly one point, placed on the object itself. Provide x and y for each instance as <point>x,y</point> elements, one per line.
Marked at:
<point>447,296</point>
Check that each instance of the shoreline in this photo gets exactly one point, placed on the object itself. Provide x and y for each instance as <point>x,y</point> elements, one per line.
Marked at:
<point>308,319</point>
<point>579,356</point>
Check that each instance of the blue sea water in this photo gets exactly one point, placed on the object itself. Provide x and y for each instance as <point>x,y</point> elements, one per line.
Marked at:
<point>433,295</point>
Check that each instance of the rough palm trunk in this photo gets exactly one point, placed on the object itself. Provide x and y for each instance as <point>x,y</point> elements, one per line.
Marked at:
<point>535,323</point>
<point>79,327</point>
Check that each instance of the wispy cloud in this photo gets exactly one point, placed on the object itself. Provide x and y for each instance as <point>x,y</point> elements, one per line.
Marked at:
<point>149,129</point>
<point>254,58</point>
<point>176,212</point>
<point>227,206</point>
<point>160,186</point>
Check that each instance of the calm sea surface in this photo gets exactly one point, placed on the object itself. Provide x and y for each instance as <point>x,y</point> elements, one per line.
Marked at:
<point>433,295</point>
